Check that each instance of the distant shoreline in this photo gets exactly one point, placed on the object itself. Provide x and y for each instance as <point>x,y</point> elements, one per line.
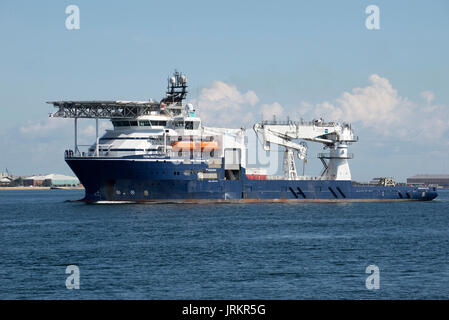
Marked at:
<point>40,188</point>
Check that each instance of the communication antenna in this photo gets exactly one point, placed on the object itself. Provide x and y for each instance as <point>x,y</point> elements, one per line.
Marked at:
<point>176,89</point>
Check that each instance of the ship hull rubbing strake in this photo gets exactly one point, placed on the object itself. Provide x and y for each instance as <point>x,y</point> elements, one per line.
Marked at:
<point>159,152</point>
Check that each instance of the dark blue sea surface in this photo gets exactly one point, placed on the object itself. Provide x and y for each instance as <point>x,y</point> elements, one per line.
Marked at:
<point>222,251</point>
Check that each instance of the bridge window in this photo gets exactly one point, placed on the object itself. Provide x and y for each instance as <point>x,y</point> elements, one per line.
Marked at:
<point>192,125</point>
<point>120,123</point>
<point>134,123</point>
<point>178,124</point>
<point>144,123</point>
<point>158,123</point>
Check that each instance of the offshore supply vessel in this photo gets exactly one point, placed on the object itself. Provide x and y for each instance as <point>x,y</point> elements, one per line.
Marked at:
<point>161,152</point>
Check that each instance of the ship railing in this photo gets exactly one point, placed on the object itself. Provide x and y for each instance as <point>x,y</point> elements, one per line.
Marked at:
<point>86,150</point>
<point>317,123</point>
<point>277,177</point>
<point>82,150</point>
<point>89,151</point>
<point>329,156</point>
<point>308,178</point>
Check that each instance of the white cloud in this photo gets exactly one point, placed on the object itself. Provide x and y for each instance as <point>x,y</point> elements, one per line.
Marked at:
<point>44,127</point>
<point>270,110</point>
<point>251,97</point>
<point>380,107</point>
<point>223,104</point>
<point>375,105</point>
<point>428,96</point>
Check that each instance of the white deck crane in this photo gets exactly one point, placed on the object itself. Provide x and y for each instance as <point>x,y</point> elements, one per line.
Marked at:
<point>334,136</point>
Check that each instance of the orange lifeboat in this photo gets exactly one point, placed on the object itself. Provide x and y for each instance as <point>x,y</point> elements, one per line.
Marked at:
<point>203,146</point>
<point>208,146</point>
<point>183,146</point>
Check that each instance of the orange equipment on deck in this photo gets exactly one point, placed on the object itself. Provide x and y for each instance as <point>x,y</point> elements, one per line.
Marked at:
<point>203,146</point>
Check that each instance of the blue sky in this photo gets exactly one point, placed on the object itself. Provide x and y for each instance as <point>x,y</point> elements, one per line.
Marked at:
<point>294,54</point>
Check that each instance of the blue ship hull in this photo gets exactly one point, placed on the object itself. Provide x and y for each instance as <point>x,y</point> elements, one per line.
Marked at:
<point>141,179</point>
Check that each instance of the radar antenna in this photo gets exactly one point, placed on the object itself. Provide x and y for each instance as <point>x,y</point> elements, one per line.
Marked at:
<point>176,89</point>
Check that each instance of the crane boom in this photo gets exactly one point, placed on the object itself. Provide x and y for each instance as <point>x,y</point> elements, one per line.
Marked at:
<point>333,135</point>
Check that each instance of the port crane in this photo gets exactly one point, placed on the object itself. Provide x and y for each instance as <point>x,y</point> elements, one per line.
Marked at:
<point>334,136</point>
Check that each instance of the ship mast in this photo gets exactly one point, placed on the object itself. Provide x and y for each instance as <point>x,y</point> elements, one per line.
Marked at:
<point>176,89</point>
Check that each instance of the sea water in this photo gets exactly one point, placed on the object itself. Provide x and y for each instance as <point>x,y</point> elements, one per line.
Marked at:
<point>221,251</point>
